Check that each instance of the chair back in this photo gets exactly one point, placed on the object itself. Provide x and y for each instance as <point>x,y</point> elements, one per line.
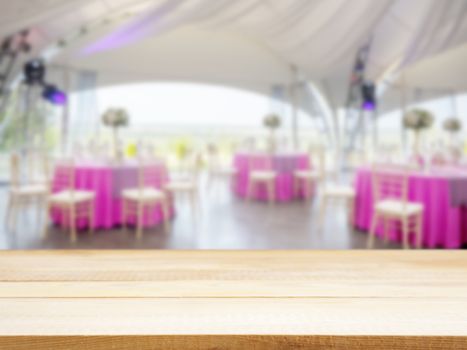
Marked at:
<point>38,166</point>
<point>261,162</point>
<point>151,173</point>
<point>66,175</point>
<point>390,181</point>
<point>15,175</point>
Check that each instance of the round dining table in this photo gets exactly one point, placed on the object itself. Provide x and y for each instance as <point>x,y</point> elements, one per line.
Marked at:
<point>107,180</point>
<point>443,194</point>
<point>284,165</point>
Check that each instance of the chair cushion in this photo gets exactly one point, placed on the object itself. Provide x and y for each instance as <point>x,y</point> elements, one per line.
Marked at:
<point>143,195</point>
<point>71,197</point>
<point>262,175</point>
<point>30,190</point>
<point>307,174</point>
<point>395,207</point>
<point>339,191</point>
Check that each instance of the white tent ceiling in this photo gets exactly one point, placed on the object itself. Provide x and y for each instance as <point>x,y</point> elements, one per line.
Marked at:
<point>248,43</point>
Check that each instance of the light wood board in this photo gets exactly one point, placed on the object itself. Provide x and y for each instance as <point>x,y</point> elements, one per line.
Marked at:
<point>233,299</point>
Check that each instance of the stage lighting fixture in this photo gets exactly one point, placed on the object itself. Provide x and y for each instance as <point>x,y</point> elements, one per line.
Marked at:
<point>54,95</point>
<point>368,97</point>
<point>34,72</point>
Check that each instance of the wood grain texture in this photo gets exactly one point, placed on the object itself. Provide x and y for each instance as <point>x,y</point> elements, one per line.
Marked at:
<point>233,299</point>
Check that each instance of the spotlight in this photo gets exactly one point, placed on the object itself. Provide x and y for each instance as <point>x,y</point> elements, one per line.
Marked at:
<point>368,96</point>
<point>54,95</point>
<point>368,106</point>
<point>34,72</point>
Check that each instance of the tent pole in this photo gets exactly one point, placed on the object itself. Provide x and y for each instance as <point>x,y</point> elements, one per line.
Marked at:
<point>66,113</point>
<point>403,101</point>
<point>293,96</point>
<point>375,130</point>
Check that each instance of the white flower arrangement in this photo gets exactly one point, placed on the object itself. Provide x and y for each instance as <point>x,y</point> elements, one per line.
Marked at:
<point>272,121</point>
<point>452,124</point>
<point>418,119</point>
<point>115,117</point>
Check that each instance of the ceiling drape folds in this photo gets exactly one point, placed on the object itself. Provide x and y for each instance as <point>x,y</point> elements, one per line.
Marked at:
<point>320,37</point>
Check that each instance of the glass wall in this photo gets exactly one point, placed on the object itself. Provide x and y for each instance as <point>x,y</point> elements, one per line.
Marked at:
<point>168,114</point>
<point>391,130</point>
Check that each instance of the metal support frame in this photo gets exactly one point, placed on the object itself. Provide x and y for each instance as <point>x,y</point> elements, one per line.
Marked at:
<point>311,104</point>
<point>356,119</point>
<point>10,50</point>
<point>294,102</point>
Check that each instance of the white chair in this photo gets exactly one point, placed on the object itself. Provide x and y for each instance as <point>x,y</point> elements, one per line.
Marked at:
<point>145,196</point>
<point>261,173</point>
<point>74,204</point>
<point>22,195</point>
<point>38,168</point>
<point>390,196</point>
<point>218,172</point>
<point>186,182</point>
<point>334,192</point>
<point>307,179</point>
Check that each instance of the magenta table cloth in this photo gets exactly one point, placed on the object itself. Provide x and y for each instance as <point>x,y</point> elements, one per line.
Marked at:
<point>444,222</point>
<point>108,181</point>
<point>283,164</point>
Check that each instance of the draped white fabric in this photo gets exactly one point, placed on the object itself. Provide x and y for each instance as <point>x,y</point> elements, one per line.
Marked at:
<point>320,37</point>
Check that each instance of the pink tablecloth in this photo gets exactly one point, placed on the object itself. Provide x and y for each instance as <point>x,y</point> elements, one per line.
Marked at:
<point>283,164</point>
<point>107,182</point>
<point>444,224</point>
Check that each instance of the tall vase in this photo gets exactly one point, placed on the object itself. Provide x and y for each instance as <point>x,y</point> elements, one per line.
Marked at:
<point>272,141</point>
<point>417,154</point>
<point>454,147</point>
<point>416,142</point>
<point>115,145</point>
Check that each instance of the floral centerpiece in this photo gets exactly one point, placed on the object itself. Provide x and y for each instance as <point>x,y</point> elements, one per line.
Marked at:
<point>452,125</point>
<point>272,122</point>
<point>418,120</point>
<point>116,118</point>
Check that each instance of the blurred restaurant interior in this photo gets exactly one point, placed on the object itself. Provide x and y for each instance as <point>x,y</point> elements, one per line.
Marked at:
<point>249,124</point>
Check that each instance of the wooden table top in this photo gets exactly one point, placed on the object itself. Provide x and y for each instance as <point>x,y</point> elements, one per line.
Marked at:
<point>233,299</point>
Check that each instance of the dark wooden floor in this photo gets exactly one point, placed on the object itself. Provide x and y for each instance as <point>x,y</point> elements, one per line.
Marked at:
<point>225,222</point>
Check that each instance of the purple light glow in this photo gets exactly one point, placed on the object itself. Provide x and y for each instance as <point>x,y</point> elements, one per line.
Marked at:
<point>134,31</point>
<point>59,98</point>
<point>54,95</point>
<point>368,106</point>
